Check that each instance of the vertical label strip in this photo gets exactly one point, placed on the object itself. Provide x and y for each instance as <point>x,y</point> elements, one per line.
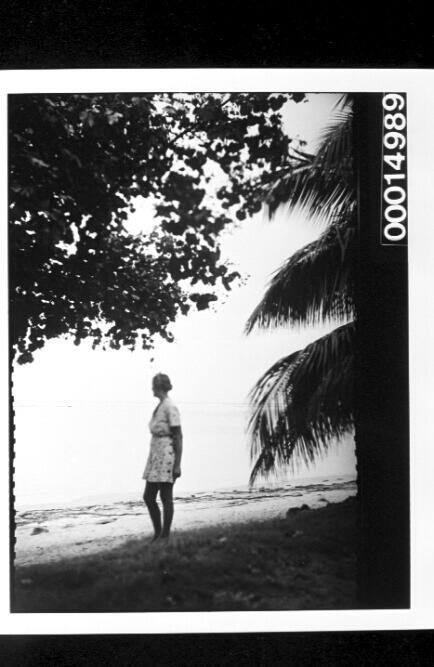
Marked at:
<point>394,208</point>
<point>381,371</point>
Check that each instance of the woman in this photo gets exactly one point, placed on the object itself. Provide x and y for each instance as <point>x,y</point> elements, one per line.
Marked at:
<point>164,461</point>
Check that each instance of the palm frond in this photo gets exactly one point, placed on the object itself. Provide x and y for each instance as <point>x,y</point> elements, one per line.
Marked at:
<point>302,403</point>
<point>324,184</point>
<point>343,100</point>
<point>336,142</point>
<point>313,285</point>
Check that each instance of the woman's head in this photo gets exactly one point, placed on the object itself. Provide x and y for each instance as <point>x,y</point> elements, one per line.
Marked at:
<point>161,384</point>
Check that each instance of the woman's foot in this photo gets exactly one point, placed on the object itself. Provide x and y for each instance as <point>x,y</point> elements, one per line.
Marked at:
<point>156,537</point>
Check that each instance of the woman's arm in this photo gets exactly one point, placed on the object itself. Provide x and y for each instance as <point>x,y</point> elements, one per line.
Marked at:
<point>176,433</point>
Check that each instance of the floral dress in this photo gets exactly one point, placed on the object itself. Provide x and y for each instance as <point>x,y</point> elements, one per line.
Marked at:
<point>159,466</point>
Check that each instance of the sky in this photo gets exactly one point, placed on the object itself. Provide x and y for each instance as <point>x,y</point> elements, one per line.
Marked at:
<point>82,415</point>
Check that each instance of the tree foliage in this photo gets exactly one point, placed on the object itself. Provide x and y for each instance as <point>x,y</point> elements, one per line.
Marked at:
<point>305,400</point>
<point>77,165</point>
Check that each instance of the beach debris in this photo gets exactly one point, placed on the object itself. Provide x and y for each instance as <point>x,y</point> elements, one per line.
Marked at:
<point>167,576</point>
<point>26,582</point>
<point>295,510</point>
<point>294,533</point>
<point>39,529</point>
<point>223,539</point>
<point>105,521</point>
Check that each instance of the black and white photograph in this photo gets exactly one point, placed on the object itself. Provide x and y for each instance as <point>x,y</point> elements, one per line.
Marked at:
<point>209,361</point>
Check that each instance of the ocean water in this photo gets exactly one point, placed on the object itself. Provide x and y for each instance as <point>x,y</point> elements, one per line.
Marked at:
<point>86,454</point>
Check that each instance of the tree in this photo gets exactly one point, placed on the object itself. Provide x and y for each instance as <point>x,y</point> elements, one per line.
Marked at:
<point>78,163</point>
<point>305,400</point>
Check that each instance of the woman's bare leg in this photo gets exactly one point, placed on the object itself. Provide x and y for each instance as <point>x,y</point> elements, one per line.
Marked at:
<point>150,498</point>
<point>166,495</point>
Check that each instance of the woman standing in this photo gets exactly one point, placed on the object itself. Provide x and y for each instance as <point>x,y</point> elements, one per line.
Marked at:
<point>164,461</point>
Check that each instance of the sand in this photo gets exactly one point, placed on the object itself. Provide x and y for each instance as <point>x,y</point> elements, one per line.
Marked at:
<point>54,535</point>
<point>302,559</point>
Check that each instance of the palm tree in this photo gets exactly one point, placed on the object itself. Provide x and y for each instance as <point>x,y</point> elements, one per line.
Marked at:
<point>305,400</point>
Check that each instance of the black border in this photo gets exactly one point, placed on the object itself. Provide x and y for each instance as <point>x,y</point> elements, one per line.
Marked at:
<point>250,649</point>
<point>11,413</point>
<point>41,34</point>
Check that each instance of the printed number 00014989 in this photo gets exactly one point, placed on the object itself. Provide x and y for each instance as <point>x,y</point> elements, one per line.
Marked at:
<point>394,186</point>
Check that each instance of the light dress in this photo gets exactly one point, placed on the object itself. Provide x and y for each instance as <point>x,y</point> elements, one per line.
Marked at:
<point>159,466</point>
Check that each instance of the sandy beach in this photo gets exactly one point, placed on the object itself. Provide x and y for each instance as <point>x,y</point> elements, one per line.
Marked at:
<point>286,547</point>
<point>49,535</point>
<point>301,559</point>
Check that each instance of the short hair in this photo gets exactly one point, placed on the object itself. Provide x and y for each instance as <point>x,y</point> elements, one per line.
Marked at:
<point>162,381</point>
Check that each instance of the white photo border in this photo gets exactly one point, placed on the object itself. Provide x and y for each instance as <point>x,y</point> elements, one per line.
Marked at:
<point>418,84</point>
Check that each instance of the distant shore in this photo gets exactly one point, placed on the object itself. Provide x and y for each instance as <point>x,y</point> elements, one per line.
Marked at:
<point>299,559</point>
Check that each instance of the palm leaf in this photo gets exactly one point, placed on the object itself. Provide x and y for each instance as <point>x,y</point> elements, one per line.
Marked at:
<point>324,184</point>
<point>313,285</point>
<point>302,403</point>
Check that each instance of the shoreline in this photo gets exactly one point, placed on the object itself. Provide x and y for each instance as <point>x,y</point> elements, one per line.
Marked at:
<point>100,499</point>
<point>44,536</point>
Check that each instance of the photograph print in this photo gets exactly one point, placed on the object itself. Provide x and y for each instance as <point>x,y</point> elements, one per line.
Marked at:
<point>207,409</point>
